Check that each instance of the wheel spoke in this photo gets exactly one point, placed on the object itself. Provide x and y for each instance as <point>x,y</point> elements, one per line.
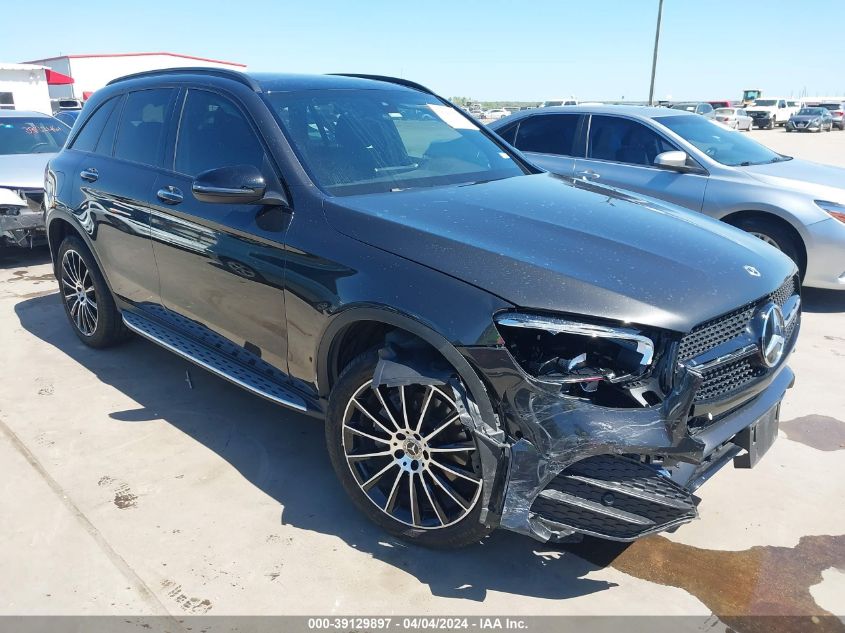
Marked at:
<point>394,493</point>
<point>374,479</point>
<point>451,420</point>
<point>404,406</point>
<point>452,494</point>
<point>441,516</point>
<point>357,457</point>
<point>453,448</point>
<point>384,404</point>
<point>428,393</point>
<point>365,434</point>
<point>412,495</point>
<point>452,471</point>
<point>372,418</point>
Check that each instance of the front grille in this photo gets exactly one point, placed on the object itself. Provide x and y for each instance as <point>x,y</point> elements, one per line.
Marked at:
<point>728,379</point>
<point>713,333</point>
<point>731,378</point>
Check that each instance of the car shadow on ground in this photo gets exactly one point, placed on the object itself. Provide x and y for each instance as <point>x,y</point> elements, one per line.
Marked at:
<point>18,257</point>
<point>277,450</point>
<point>819,300</point>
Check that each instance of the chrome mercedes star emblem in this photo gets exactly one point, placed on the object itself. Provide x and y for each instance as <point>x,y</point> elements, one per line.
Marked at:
<point>772,339</point>
<point>752,271</point>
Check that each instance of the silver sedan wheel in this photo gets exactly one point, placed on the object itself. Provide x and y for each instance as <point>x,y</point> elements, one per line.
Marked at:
<point>410,454</point>
<point>78,292</point>
<point>767,239</point>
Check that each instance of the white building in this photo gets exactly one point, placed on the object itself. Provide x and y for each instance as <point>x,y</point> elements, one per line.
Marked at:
<point>24,87</point>
<point>91,72</point>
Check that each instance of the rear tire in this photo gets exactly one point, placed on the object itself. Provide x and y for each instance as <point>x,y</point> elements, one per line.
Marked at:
<point>415,498</point>
<point>85,296</point>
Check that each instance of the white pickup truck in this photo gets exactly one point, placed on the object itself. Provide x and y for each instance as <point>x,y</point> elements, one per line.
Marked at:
<point>767,113</point>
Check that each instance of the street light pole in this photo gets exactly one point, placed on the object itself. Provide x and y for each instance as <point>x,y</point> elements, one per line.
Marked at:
<point>654,59</point>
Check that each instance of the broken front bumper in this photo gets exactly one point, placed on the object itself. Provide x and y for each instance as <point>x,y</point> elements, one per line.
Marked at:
<point>21,220</point>
<point>617,473</point>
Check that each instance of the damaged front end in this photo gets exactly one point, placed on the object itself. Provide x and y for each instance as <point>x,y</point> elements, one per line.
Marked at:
<point>22,217</point>
<point>608,430</point>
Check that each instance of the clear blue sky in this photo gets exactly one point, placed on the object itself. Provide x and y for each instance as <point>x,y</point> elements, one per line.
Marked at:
<point>530,50</point>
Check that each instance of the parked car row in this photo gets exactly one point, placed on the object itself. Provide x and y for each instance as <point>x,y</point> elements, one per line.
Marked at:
<point>489,344</point>
<point>685,159</point>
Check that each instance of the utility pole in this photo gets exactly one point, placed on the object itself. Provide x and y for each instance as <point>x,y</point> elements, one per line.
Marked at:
<point>654,59</point>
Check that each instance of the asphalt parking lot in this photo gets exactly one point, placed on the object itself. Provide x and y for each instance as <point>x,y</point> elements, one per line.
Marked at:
<point>132,482</point>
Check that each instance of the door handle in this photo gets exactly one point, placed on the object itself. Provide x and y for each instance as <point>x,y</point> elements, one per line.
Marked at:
<point>169,195</point>
<point>588,174</point>
<point>89,174</point>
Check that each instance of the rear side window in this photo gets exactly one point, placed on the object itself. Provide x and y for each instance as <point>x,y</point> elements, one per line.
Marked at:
<point>214,133</point>
<point>140,136</point>
<point>548,134</point>
<point>624,141</point>
<point>106,142</point>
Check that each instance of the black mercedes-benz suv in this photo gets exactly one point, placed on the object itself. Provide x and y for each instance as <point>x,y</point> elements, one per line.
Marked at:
<point>489,345</point>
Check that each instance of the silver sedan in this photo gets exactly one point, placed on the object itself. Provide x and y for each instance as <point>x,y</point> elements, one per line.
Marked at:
<point>794,205</point>
<point>735,118</point>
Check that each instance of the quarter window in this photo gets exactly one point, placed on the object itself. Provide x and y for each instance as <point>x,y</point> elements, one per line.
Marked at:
<point>214,133</point>
<point>140,137</point>
<point>548,134</point>
<point>624,141</point>
<point>90,133</point>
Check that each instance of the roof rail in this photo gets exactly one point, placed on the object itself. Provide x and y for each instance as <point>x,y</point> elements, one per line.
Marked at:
<point>194,70</point>
<point>392,80</point>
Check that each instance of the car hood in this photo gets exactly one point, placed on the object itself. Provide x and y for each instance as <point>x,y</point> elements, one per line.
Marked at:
<point>23,171</point>
<point>548,243</point>
<point>821,181</point>
<point>805,117</point>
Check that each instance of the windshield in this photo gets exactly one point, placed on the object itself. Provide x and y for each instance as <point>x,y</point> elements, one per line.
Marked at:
<point>367,141</point>
<point>723,145</point>
<point>812,111</point>
<point>31,135</point>
<point>689,107</point>
<point>766,102</point>
<point>830,106</point>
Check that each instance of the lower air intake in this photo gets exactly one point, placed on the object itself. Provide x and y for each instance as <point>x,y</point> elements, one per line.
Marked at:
<point>614,497</point>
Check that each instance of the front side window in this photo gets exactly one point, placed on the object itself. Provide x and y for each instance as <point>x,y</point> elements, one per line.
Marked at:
<point>548,134</point>
<point>626,141</point>
<point>728,147</point>
<point>140,135</point>
<point>367,141</point>
<point>214,133</point>
<point>31,135</point>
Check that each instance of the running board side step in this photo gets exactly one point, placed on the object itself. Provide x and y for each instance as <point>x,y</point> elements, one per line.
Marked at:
<point>214,361</point>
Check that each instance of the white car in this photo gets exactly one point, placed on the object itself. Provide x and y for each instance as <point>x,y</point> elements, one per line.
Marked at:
<point>27,141</point>
<point>768,113</point>
<point>496,114</point>
<point>734,118</point>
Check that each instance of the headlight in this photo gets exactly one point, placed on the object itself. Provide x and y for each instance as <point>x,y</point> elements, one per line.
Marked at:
<point>834,209</point>
<point>564,351</point>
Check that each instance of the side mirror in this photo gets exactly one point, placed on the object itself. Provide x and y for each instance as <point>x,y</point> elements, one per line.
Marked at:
<point>674,160</point>
<point>238,184</point>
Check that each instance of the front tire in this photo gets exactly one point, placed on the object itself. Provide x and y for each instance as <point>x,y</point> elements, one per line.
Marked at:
<point>774,235</point>
<point>86,297</point>
<point>404,457</point>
